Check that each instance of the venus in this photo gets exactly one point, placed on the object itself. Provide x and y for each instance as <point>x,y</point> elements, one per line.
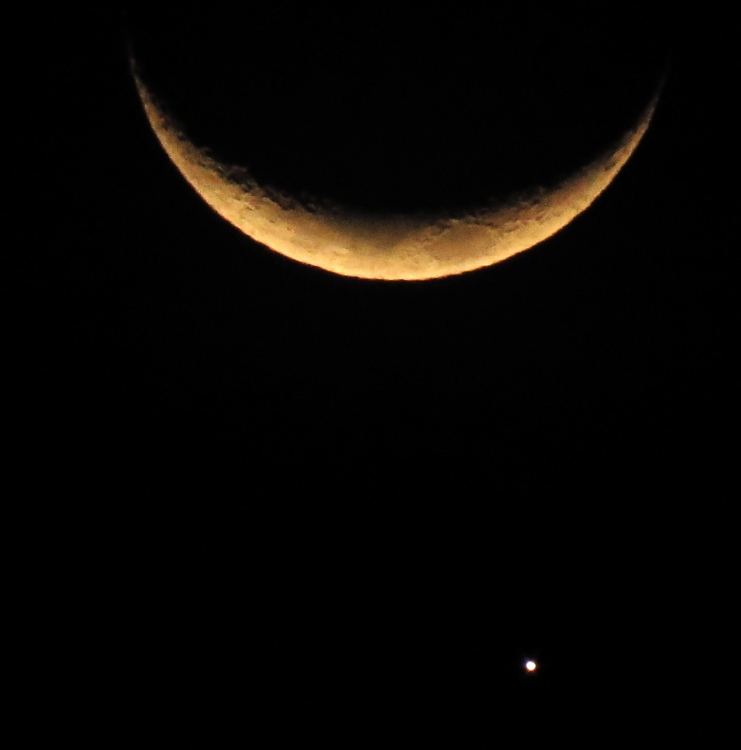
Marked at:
<point>391,246</point>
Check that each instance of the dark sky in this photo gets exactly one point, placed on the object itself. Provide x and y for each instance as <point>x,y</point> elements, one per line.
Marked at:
<point>333,505</point>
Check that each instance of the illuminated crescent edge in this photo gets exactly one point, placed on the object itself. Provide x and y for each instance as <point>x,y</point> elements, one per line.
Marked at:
<point>392,246</point>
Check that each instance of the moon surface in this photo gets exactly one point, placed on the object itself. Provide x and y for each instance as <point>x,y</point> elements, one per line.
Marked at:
<point>389,246</point>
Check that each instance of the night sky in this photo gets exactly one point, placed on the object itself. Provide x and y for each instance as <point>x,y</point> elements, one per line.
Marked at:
<point>268,497</point>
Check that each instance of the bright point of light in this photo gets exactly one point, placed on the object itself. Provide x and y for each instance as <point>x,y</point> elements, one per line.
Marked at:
<point>531,666</point>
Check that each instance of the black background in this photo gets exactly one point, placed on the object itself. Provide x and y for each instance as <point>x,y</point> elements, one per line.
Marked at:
<point>267,497</point>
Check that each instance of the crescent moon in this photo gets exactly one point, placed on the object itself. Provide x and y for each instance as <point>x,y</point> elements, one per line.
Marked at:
<point>391,246</point>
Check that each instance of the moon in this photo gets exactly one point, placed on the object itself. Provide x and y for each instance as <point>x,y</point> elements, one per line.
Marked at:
<point>389,246</point>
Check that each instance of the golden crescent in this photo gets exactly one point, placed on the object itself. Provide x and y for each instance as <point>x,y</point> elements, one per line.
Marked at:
<point>390,246</point>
